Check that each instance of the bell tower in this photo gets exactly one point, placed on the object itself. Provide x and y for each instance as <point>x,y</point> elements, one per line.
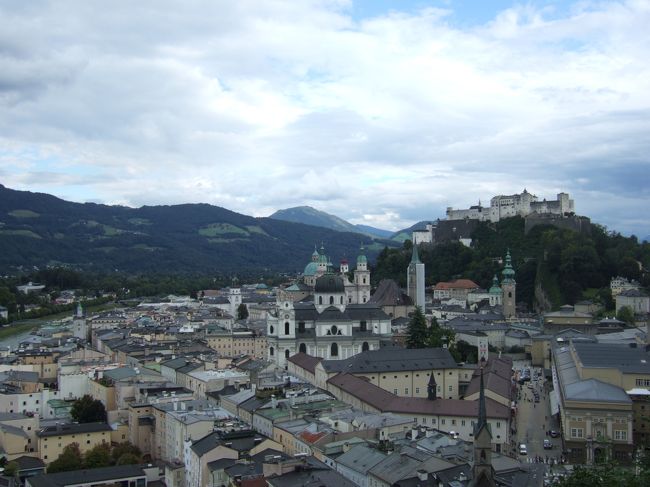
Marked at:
<point>509,286</point>
<point>483,470</point>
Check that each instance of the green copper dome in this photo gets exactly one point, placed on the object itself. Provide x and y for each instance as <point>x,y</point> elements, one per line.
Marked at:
<point>362,259</point>
<point>508,271</point>
<point>310,269</point>
<point>495,289</point>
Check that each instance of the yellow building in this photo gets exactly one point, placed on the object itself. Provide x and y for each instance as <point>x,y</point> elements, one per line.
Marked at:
<point>53,439</point>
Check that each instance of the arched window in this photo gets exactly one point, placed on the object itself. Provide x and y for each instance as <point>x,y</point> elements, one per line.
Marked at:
<point>364,280</point>
<point>286,327</point>
<point>286,353</point>
<point>302,348</point>
<point>271,351</point>
<point>320,299</point>
<point>271,329</point>
<point>365,347</point>
<point>341,300</point>
<point>334,351</point>
<point>331,299</point>
<point>334,329</point>
<point>509,294</point>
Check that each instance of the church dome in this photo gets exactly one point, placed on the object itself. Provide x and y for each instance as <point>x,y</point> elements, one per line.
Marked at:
<point>310,269</point>
<point>329,284</point>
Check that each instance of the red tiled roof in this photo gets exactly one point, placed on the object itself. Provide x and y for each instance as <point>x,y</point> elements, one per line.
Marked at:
<point>312,437</point>
<point>457,284</point>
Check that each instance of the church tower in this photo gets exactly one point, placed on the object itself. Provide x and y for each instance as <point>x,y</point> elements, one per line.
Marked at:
<point>509,287</point>
<point>483,472</point>
<point>415,280</point>
<point>432,388</point>
<point>234,298</point>
<point>496,293</point>
<point>79,325</point>
<point>362,278</point>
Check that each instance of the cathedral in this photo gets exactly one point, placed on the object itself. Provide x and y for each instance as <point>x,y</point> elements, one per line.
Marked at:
<point>336,321</point>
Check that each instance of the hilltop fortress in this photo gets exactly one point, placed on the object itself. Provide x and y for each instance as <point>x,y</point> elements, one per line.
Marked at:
<point>460,224</point>
<point>506,206</point>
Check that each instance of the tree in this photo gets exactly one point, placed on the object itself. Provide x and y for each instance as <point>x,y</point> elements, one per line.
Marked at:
<point>88,410</point>
<point>626,314</point>
<point>128,459</point>
<point>98,456</point>
<point>126,451</point>
<point>417,330</point>
<point>69,459</point>
<point>11,469</point>
<point>242,312</point>
<point>607,475</point>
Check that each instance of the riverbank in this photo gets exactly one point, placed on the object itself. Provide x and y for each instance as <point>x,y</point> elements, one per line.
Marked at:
<point>25,326</point>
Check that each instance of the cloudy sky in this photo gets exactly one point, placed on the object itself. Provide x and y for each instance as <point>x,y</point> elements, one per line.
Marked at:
<point>381,112</point>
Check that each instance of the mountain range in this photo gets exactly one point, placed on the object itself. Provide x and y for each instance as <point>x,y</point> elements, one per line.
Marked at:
<point>38,230</point>
<point>312,216</point>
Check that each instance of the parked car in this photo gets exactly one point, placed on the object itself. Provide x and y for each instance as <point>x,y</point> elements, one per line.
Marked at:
<point>555,434</point>
<point>548,445</point>
<point>523,450</point>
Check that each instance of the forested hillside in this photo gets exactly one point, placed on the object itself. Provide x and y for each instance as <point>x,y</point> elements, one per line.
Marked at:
<point>567,266</point>
<point>41,230</point>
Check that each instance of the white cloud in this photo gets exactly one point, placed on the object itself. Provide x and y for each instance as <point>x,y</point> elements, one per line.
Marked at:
<point>257,106</point>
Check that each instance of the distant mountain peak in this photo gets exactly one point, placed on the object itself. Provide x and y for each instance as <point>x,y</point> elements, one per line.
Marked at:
<point>311,216</point>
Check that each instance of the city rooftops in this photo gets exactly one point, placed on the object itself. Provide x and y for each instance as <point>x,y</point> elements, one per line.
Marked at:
<point>100,476</point>
<point>626,358</point>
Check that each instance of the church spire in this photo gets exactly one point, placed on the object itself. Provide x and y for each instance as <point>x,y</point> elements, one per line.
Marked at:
<point>415,257</point>
<point>432,388</point>
<point>482,414</point>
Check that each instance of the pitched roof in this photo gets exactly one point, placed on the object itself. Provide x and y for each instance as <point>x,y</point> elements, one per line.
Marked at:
<point>456,284</point>
<point>393,359</point>
<point>385,401</point>
<point>388,293</point>
<point>91,476</point>
<point>305,361</point>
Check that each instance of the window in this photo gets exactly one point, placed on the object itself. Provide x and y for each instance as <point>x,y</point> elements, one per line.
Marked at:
<point>643,382</point>
<point>363,325</point>
<point>406,391</point>
<point>462,422</point>
<point>453,422</point>
<point>417,390</point>
<point>442,421</point>
<point>365,347</point>
<point>320,299</point>
<point>395,391</point>
<point>620,435</point>
<point>301,327</point>
<point>331,299</point>
<point>498,424</point>
<point>334,351</point>
<point>286,327</point>
<point>271,330</point>
<point>577,433</point>
<point>451,388</point>
<point>286,353</point>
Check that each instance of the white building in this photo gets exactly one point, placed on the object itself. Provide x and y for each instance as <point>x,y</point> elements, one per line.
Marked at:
<point>506,206</point>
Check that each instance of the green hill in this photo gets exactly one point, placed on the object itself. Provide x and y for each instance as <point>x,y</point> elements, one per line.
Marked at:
<point>562,265</point>
<point>39,230</point>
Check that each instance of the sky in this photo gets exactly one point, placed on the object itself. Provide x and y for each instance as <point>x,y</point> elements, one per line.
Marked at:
<point>381,112</point>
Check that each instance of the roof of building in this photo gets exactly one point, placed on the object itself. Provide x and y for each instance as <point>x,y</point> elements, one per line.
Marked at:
<point>456,284</point>
<point>393,359</point>
<point>304,361</point>
<point>72,428</point>
<point>632,293</point>
<point>385,401</point>
<point>29,463</point>
<point>625,358</point>
<point>89,476</point>
<point>388,293</point>
<point>361,458</point>
<point>312,472</point>
<point>241,441</point>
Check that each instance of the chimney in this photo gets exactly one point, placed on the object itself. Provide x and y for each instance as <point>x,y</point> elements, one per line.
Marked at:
<point>414,434</point>
<point>423,475</point>
<point>274,401</point>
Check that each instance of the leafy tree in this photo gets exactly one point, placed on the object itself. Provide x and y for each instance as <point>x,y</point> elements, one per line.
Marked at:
<point>128,459</point>
<point>438,337</point>
<point>125,449</point>
<point>242,312</point>
<point>69,459</point>
<point>11,469</point>
<point>626,314</point>
<point>607,475</point>
<point>98,456</point>
<point>417,330</point>
<point>88,410</point>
